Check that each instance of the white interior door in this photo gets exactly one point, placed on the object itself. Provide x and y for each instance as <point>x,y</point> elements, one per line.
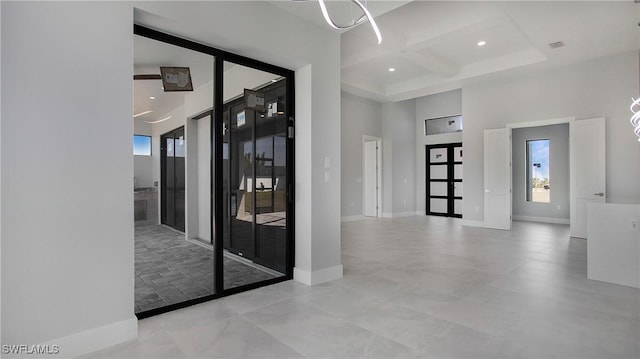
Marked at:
<point>497,179</point>
<point>588,170</point>
<point>370,154</point>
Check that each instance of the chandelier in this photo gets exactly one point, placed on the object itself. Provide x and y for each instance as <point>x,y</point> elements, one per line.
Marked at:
<point>635,118</point>
<point>365,16</point>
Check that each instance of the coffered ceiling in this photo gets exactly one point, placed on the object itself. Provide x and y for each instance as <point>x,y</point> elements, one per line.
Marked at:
<point>433,45</point>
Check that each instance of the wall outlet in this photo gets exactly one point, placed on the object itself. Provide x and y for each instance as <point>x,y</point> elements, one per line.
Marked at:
<point>633,224</point>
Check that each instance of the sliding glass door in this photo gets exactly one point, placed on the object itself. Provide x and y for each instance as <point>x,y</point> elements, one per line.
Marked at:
<point>224,125</point>
<point>255,177</point>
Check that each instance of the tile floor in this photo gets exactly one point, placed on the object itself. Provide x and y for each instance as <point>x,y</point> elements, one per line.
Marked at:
<point>417,287</point>
<point>171,270</point>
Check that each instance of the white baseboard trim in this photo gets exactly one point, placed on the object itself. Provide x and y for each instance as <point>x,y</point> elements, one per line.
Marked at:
<point>387,215</point>
<point>319,276</point>
<point>352,218</point>
<point>92,340</point>
<point>421,213</point>
<point>541,219</point>
<point>469,223</point>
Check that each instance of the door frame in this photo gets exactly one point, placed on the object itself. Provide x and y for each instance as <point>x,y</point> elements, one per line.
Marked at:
<point>539,123</point>
<point>378,140</point>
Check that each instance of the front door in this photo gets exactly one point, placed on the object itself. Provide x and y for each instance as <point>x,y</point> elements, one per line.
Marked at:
<point>444,180</point>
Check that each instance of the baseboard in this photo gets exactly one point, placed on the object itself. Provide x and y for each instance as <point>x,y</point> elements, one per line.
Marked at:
<point>421,213</point>
<point>352,218</point>
<point>387,215</point>
<point>541,219</point>
<point>319,276</point>
<point>95,339</point>
<point>469,223</point>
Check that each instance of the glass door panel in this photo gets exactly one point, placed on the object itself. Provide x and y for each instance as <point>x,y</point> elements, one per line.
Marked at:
<point>255,176</point>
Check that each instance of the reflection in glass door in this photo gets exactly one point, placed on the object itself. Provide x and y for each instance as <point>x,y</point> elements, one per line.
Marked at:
<point>229,190</point>
<point>254,176</point>
<point>172,149</point>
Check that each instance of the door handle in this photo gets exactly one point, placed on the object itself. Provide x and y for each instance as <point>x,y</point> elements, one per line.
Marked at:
<point>601,194</point>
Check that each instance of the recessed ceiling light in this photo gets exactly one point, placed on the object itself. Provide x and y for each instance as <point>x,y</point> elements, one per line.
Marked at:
<point>391,69</point>
<point>482,43</point>
<point>141,113</point>
<point>151,98</point>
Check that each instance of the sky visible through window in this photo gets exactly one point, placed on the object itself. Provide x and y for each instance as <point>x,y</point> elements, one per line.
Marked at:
<point>141,145</point>
<point>540,155</point>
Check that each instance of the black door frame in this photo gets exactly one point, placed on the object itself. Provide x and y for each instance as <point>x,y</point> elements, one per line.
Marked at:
<point>219,57</point>
<point>450,180</point>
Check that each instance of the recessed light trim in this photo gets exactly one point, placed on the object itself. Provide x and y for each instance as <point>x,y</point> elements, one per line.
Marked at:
<point>152,98</point>
<point>482,43</point>
<point>392,69</point>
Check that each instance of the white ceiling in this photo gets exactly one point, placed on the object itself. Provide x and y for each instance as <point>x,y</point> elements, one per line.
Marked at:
<point>433,44</point>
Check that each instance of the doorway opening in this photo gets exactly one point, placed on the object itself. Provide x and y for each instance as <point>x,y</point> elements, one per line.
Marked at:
<point>540,173</point>
<point>372,176</point>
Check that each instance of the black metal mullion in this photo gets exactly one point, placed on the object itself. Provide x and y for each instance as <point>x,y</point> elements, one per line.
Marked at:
<point>217,225</point>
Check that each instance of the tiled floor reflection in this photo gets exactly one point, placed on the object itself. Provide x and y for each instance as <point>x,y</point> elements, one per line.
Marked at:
<point>417,287</point>
<point>171,270</point>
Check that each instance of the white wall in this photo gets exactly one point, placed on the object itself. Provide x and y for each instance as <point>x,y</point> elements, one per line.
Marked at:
<point>399,158</point>
<point>596,88</point>
<point>360,117</point>
<point>67,174</point>
<point>434,106</point>
<point>558,208</point>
